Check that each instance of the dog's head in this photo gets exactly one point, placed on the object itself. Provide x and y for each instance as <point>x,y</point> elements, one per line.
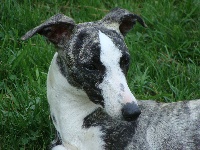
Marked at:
<point>93,57</point>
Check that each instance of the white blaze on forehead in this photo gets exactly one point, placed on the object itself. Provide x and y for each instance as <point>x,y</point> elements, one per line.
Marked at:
<point>110,54</point>
<point>114,95</point>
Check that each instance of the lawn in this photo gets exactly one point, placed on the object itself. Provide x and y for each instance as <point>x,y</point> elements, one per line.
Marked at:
<point>165,59</point>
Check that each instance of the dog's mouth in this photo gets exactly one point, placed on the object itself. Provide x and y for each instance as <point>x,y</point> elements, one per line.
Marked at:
<point>128,112</point>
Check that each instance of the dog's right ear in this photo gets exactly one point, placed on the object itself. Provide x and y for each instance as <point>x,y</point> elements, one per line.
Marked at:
<point>57,29</point>
<point>122,20</point>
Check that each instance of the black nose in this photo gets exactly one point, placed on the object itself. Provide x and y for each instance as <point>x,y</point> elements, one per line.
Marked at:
<point>130,111</point>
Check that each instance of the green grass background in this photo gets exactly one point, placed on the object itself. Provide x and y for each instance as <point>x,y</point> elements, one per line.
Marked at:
<point>165,63</point>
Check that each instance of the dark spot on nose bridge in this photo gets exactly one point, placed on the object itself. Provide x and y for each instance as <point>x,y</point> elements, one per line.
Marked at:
<point>121,87</point>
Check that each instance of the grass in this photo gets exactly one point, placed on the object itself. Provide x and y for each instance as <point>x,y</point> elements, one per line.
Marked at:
<point>165,59</point>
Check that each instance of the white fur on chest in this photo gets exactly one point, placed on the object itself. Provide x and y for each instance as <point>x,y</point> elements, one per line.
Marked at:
<point>70,106</point>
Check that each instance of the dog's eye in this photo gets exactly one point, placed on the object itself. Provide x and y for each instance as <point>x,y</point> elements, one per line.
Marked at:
<point>91,67</point>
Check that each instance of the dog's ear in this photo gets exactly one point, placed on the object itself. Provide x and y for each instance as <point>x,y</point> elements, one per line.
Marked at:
<point>57,29</point>
<point>125,20</point>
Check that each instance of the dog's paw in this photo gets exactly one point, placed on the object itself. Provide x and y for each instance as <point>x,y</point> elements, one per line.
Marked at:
<point>59,147</point>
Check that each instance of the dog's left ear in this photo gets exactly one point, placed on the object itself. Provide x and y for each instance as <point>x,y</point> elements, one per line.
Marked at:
<point>125,20</point>
<point>57,29</point>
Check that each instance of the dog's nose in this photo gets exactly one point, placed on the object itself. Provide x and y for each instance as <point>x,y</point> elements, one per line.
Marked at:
<point>130,111</point>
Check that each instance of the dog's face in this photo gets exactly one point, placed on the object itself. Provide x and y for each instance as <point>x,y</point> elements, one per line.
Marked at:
<point>93,57</point>
<point>97,61</point>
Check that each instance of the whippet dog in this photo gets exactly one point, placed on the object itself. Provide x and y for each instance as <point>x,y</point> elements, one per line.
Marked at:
<point>91,105</point>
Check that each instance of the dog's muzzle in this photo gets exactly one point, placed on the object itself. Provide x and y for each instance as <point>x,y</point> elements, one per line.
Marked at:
<point>130,111</point>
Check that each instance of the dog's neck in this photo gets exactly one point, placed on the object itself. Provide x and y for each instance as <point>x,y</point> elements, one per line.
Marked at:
<point>72,105</point>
